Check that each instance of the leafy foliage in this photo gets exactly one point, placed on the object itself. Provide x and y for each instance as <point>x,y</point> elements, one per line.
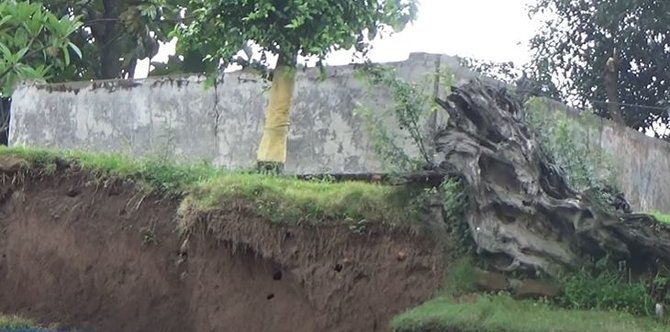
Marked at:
<point>33,43</point>
<point>578,37</point>
<point>567,144</point>
<point>462,277</point>
<point>116,34</point>
<point>410,107</point>
<point>221,28</point>
<point>605,291</point>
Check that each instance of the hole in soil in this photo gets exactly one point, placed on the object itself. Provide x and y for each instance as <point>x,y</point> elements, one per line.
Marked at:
<point>338,267</point>
<point>277,275</point>
<point>73,193</point>
<point>270,297</point>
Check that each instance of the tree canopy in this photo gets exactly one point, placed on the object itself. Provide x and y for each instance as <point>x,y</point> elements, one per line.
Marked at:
<point>221,28</point>
<point>287,28</point>
<point>34,43</point>
<point>577,39</point>
<point>116,34</point>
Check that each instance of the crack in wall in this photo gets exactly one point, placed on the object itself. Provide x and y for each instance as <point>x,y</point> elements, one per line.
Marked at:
<point>217,115</point>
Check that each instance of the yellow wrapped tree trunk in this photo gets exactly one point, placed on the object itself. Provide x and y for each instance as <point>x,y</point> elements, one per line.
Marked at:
<point>272,149</point>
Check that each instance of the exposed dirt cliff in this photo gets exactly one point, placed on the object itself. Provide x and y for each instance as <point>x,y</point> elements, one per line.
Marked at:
<point>105,257</point>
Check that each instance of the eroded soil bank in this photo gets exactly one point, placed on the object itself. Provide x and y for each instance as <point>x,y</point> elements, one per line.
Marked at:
<point>110,259</point>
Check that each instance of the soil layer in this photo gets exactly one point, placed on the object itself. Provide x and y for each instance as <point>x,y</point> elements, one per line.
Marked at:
<point>107,258</point>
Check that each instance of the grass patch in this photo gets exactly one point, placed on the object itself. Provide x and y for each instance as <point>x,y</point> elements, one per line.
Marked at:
<point>502,313</point>
<point>287,200</point>
<point>280,199</point>
<point>606,291</point>
<point>15,323</point>
<point>462,279</point>
<point>157,175</point>
<point>663,218</point>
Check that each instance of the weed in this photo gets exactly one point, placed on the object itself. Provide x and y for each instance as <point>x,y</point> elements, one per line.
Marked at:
<point>461,278</point>
<point>568,146</point>
<point>358,227</point>
<point>409,109</point>
<point>453,200</point>
<point>149,237</point>
<point>605,291</point>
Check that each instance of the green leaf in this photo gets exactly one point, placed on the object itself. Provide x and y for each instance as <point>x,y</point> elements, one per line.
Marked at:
<point>6,53</point>
<point>66,55</point>
<point>76,50</point>
<point>21,53</point>
<point>309,28</point>
<point>5,19</point>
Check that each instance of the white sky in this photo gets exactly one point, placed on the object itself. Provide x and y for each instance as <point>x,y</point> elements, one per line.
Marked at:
<point>496,30</point>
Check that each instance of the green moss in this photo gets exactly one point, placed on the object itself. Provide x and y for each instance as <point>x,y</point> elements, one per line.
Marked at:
<point>281,199</point>
<point>502,313</point>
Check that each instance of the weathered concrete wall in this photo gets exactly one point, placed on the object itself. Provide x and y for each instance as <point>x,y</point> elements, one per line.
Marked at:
<point>177,117</point>
<point>641,164</point>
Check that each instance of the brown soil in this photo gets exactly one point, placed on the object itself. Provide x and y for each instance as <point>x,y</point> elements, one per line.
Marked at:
<point>76,253</point>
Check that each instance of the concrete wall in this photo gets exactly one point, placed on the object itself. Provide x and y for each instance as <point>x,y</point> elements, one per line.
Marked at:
<point>641,164</point>
<point>177,117</point>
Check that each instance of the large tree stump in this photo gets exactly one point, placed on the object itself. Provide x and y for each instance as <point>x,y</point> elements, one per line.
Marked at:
<point>520,205</point>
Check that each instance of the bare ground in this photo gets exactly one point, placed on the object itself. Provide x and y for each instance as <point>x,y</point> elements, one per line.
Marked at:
<point>84,256</point>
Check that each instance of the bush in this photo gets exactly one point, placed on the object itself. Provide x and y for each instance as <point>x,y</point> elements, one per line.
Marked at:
<point>564,139</point>
<point>461,279</point>
<point>605,291</point>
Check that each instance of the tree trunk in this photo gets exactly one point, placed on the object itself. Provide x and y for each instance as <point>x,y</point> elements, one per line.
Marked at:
<point>521,209</point>
<point>106,35</point>
<point>5,116</point>
<point>611,76</point>
<point>272,148</point>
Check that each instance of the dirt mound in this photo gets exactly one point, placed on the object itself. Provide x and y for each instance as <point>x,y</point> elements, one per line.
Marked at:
<point>107,258</point>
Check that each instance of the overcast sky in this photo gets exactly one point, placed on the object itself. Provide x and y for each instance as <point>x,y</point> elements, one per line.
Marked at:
<point>496,30</point>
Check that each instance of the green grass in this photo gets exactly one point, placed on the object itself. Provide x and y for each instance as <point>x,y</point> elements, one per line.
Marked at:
<point>15,322</point>
<point>661,217</point>
<point>503,314</point>
<point>281,199</point>
<point>462,277</point>
<point>292,201</point>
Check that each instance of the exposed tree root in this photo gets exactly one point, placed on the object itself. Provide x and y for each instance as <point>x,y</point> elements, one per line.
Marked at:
<point>520,205</point>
